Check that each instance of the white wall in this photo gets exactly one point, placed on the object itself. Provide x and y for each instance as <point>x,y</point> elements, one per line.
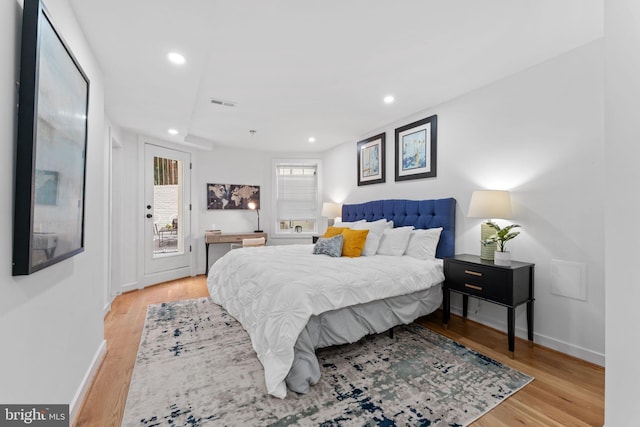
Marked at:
<point>116,209</point>
<point>228,166</point>
<point>540,135</point>
<point>622,85</point>
<point>51,321</point>
<point>129,198</point>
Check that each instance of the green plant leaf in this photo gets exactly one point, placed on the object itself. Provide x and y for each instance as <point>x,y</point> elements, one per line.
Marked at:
<point>493,225</point>
<point>501,236</point>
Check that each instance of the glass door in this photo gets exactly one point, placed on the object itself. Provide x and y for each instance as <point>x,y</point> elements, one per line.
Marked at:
<point>167,209</point>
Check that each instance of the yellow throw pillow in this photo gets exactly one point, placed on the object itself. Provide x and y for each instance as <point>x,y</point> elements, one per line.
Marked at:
<point>354,241</point>
<point>333,231</point>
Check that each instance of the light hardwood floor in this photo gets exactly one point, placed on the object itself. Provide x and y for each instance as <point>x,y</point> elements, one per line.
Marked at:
<point>566,391</point>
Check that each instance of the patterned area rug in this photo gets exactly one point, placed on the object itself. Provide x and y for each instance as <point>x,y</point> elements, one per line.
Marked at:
<point>196,367</point>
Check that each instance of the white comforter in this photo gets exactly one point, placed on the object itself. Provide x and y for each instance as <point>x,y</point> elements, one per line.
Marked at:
<point>274,290</point>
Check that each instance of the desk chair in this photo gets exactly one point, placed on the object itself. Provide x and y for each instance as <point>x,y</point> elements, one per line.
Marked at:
<point>246,243</point>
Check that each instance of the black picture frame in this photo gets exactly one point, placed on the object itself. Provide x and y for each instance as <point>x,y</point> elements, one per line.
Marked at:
<point>232,196</point>
<point>371,160</point>
<point>51,143</point>
<point>416,149</point>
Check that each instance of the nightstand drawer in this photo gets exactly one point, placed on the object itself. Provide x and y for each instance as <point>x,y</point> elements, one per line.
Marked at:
<point>478,281</point>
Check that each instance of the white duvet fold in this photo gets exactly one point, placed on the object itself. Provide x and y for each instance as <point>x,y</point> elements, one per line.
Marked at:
<point>274,290</point>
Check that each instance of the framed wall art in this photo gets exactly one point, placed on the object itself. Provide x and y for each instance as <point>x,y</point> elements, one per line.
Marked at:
<point>232,196</point>
<point>416,149</point>
<point>371,164</point>
<point>49,201</point>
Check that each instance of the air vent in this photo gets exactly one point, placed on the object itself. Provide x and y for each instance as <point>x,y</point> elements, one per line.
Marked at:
<point>223,102</point>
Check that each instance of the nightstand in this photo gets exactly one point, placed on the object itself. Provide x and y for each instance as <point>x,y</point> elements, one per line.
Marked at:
<point>509,286</point>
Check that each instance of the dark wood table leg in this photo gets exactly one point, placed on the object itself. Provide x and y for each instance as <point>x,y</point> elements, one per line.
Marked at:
<point>511,326</point>
<point>530,322</point>
<point>206,268</point>
<point>465,305</point>
<point>530,307</point>
<point>445,307</point>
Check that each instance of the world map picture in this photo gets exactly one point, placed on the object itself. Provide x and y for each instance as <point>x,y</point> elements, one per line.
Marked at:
<point>232,196</point>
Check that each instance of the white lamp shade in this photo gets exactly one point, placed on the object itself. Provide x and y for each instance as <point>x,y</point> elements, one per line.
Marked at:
<point>490,204</point>
<point>331,210</point>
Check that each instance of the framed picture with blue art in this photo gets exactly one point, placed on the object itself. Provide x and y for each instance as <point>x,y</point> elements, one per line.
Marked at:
<point>416,149</point>
<point>371,165</point>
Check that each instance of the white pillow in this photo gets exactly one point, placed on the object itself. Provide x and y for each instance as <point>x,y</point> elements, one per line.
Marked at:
<point>389,224</point>
<point>348,224</point>
<point>423,243</point>
<point>395,241</point>
<point>373,238</point>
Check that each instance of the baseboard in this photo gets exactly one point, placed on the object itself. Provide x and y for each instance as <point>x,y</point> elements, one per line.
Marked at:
<point>164,276</point>
<point>543,340</point>
<point>78,399</point>
<point>570,349</point>
<point>106,309</point>
<point>133,286</point>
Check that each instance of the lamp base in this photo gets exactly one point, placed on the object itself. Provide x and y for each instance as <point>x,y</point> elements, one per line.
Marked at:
<point>487,250</point>
<point>257,231</point>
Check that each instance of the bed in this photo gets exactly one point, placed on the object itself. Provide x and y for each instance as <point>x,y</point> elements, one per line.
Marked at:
<point>291,301</point>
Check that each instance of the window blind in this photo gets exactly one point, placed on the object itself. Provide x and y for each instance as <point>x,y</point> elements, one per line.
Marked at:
<point>297,196</point>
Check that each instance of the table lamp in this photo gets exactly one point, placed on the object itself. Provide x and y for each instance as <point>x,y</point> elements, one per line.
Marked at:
<point>254,206</point>
<point>489,204</point>
<point>331,211</point>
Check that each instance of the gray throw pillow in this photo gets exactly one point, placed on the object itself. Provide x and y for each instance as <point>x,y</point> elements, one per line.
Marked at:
<point>331,246</point>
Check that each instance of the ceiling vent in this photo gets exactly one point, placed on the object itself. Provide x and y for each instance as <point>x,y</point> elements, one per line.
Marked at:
<point>222,102</point>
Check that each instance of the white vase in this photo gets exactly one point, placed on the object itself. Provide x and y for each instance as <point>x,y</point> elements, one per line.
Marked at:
<point>502,258</point>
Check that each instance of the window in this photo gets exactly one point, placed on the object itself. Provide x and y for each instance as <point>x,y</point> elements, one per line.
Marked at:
<point>296,197</point>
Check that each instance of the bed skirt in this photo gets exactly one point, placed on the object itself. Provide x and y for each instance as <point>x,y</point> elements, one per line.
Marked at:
<point>349,324</point>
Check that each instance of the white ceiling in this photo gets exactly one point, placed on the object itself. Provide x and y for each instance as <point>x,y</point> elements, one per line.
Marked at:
<point>301,68</point>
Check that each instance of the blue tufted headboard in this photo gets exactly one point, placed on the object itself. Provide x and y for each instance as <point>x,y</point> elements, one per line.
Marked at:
<point>419,213</point>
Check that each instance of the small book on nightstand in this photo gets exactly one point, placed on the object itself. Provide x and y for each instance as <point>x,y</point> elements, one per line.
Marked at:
<point>214,231</point>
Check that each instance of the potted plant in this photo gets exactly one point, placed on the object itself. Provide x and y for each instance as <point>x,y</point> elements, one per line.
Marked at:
<point>501,237</point>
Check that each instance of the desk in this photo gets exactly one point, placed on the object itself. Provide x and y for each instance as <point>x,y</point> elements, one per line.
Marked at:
<point>215,238</point>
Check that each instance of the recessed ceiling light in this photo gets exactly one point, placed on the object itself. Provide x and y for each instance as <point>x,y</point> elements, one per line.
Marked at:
<point>389,99</point>
<point>173,131</point>
<point>312,140</point>
<point>176,58</point>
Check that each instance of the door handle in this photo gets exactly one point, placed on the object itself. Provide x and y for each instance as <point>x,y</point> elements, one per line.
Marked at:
<point>149,216</point>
